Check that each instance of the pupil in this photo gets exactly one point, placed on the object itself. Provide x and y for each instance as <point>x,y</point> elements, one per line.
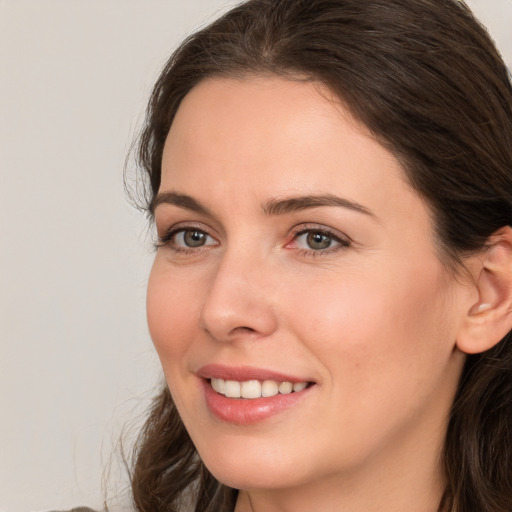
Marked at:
<point>318,241</point>
<point>194,238</point>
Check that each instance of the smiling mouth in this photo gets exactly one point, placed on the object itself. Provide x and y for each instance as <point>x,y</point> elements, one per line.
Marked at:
<point>252,389</point>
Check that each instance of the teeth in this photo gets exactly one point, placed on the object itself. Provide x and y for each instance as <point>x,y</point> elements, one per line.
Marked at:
<point>232,389</point>
<point>251,389</point>
<point>218,385</point>
<point>285,388</point>
<point>255,388</point>
<point>299,386</point>
<point>269,388</point>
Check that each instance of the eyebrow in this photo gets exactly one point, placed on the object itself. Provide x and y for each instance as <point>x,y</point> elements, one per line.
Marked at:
<point>271,207</point>
<point>293,204</point>
<point>180,200</point>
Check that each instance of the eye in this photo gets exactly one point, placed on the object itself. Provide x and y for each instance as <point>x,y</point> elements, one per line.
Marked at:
<point>191,238</point>
<point>183,239</point>
<point>317,241</point>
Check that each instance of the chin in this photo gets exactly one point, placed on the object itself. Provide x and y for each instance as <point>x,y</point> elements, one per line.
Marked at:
<point>260,468</point>
<point>252,478</point>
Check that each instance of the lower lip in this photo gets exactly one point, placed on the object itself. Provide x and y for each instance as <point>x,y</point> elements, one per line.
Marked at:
<point>245,411</point>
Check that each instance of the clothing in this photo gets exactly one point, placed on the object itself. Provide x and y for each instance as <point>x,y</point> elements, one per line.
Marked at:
<point>78,509</point>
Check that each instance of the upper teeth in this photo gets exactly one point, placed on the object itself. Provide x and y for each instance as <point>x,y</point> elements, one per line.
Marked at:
<point>255,388</point>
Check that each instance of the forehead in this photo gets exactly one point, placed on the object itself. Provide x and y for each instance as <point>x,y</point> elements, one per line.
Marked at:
<point>274,128</point>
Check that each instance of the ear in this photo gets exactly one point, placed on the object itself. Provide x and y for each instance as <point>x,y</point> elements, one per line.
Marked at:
<point>489,319</point>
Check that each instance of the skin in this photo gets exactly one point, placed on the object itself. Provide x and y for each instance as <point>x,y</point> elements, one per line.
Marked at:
<point>371,320</point>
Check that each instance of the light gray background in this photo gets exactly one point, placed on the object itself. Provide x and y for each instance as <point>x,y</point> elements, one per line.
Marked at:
<point>76,362</point>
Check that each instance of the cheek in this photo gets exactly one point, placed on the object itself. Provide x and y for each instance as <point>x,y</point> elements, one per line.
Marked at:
<point>170,313</point>
<point>375,325</point>
<point>172,323</point>
<point>385,349</point>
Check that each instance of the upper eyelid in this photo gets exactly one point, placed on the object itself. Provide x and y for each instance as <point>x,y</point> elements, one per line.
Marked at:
<point>184,226</point>
<point>180,229</point>
<point>308,227</point>
<point>165,224</point>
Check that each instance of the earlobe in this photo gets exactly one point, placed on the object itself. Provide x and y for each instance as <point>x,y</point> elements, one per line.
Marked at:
<point>489,320</point>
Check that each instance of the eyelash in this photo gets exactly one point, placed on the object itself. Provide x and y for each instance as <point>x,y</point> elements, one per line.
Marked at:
<point>340,242</point>
<point>167,239</point>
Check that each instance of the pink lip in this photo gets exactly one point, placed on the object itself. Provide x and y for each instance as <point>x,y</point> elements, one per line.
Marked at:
<point>243,373</point>
<point>240,411</point>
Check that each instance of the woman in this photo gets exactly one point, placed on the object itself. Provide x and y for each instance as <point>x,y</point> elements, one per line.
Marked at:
<point>331,297</point>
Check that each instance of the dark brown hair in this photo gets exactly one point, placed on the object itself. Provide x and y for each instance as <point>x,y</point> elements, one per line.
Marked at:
<point>427,81</point>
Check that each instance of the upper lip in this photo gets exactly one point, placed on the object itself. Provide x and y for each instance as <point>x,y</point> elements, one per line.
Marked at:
<point>244,373</point>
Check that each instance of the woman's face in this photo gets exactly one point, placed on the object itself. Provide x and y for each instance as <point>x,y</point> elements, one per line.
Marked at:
<point>292,250</point>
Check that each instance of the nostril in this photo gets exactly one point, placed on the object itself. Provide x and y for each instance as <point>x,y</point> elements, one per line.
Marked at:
<point>243,329</point>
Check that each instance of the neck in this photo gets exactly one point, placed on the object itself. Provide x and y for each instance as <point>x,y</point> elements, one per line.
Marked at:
<point>412,479</point>
<point>350,497</point>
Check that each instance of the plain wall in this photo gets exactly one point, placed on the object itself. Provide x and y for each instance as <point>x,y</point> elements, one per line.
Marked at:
<point>76,361</point>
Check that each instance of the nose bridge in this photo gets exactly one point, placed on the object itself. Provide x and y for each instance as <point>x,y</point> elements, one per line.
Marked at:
<point>237,303</point>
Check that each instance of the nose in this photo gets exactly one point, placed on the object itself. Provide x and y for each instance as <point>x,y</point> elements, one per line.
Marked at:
<point>239,301</point>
